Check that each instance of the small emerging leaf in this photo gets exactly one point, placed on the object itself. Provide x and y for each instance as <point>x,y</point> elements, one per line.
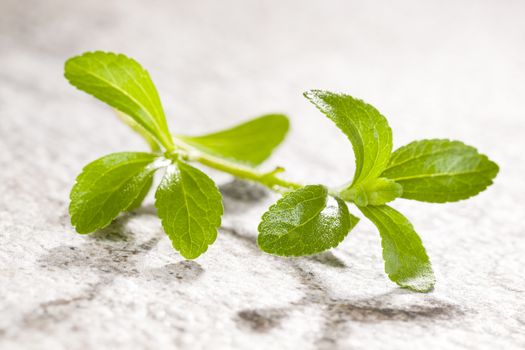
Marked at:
<point>108,186</point>
<point>122,83</point>
<point>190,207</point>
<point>365,127</point>
<point>250,143</point>
<point>406,261</point>
<point>305,221</point>
<point>373,192</point>
<point>440,170</point>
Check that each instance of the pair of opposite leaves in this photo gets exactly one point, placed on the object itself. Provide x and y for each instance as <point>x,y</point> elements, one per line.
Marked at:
<point>305,221</point>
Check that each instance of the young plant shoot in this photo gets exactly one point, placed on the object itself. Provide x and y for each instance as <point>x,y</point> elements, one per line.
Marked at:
<point>308,219</point>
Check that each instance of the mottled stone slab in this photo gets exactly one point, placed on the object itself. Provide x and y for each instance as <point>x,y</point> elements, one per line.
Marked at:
<point>435,69</point>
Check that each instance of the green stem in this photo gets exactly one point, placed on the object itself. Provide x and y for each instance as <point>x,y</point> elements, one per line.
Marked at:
<point>268,179</point>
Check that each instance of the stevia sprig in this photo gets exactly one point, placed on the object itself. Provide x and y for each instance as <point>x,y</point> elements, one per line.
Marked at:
<point>308,219</point>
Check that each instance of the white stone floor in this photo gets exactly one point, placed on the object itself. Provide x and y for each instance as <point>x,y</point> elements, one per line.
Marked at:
<point>436,69</point>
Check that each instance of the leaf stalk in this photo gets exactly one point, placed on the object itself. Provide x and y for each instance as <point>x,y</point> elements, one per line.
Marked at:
<point>268,179</point>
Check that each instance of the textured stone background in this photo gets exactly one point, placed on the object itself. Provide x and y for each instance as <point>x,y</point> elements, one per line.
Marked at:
<point>434,68</point>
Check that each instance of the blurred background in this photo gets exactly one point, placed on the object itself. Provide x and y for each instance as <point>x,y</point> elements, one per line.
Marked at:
<point>435,69</point>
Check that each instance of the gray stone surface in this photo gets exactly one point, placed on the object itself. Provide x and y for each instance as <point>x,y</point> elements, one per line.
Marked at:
<point>436,69</point>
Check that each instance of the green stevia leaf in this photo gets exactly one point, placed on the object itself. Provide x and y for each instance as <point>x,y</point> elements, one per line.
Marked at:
<point>406,261</point>
<point>440,170</point>
<point>250,143</point>
<point>365,127</point>
<point>305,221</point>
<point>122,83</point>
<point>126,119</point>
<point>190,206</point>
<point>373,192</point>
<point>108,186</point>
<point>142,195</point>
